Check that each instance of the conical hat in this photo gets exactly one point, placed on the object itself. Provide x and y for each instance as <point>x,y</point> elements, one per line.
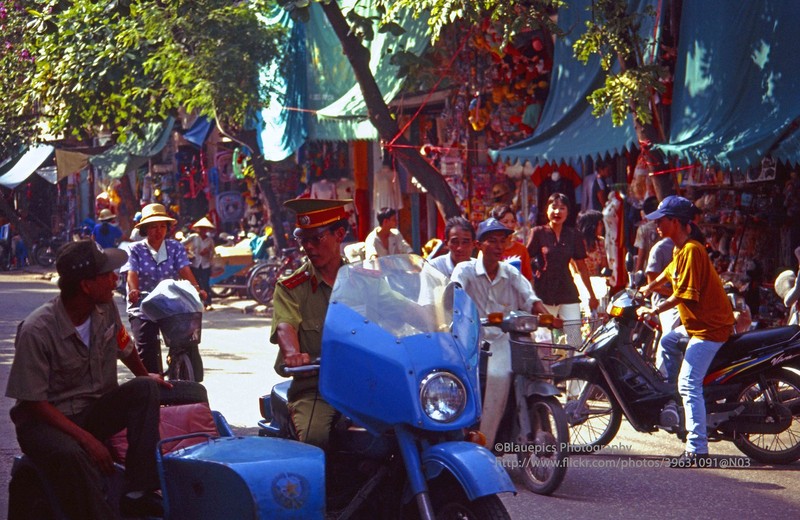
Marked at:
<point>203,223</point>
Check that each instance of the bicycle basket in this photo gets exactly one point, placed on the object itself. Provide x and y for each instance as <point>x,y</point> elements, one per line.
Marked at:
<point>541,360</point>
<point>181,329</point>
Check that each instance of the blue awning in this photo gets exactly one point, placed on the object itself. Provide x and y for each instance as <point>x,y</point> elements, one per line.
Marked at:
<point>17,170</point>
<point>567,130</point>
<point>736,83</point>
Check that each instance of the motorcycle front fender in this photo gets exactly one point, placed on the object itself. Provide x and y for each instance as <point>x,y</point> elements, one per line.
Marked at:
<point>541,388</point>
<point>475,468</point>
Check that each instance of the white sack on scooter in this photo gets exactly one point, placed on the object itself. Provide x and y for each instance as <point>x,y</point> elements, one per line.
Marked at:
<point>171,297</point>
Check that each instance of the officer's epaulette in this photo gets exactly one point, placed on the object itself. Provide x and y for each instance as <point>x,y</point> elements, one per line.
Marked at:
<point>296,279</point>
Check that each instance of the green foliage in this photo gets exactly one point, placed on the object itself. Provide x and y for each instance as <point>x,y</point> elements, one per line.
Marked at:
<point>119,64</point>
<point>17,63</point>
<point>613,35</point>
<point>510,17</point>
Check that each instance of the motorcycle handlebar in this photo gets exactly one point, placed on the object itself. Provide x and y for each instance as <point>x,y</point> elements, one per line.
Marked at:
<point>286,371</point>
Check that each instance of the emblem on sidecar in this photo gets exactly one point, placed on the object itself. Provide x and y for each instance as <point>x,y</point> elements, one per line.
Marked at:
<point>290,490</point>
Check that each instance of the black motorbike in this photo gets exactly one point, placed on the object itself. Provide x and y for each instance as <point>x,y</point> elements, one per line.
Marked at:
<point>751,390</point>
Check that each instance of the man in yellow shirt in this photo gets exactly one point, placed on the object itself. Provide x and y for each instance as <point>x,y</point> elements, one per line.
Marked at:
<point>705,312</point>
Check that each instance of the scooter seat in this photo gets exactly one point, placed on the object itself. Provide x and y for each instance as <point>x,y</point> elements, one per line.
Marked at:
<point>739,345</point>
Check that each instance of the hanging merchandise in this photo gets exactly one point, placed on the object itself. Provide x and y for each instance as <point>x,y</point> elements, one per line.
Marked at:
<point>230,206</point>
<point>614,240</point>
<point>224,163</point>
<point>147,189</point>
<point>386,189</point>
<point>240,162</point>
<point>213,181</point>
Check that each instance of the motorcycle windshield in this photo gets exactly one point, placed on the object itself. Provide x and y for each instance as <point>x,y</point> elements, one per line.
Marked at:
<point>392,324</point>
<point>402,294</point>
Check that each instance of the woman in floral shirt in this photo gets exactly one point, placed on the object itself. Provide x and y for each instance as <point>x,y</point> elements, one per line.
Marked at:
<point>152,260</point>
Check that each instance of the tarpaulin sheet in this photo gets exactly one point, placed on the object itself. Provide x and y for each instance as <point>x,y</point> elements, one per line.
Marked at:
<point>17,170</point>
<point>736,82</point>
<point>135,151</point>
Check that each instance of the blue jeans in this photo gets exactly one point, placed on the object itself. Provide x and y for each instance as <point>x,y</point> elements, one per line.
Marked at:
<point>689,376</point>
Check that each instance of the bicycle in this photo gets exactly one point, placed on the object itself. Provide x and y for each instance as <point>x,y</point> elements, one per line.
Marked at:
<point>180,331</point>
<point>261,281</point>
<point>181,334</point>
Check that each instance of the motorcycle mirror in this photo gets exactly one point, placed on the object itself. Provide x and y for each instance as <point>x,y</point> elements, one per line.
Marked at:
<point>629,262</point>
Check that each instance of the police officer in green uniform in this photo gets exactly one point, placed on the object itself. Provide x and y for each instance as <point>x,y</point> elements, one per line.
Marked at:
<point>299,307</point>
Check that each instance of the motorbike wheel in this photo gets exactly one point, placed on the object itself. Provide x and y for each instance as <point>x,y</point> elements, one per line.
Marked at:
<point>45,255</point>
<point>261,283</point>
<point>784,447</point>
<point>451,503</point>
<point>180,368</point>
<point>594,417</point>
<point>543,468</point>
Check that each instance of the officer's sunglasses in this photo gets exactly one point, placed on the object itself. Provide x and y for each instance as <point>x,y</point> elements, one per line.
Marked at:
<point>310,239</point>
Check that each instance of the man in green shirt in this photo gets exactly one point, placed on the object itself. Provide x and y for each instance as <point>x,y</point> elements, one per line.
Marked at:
<point>299,307</point>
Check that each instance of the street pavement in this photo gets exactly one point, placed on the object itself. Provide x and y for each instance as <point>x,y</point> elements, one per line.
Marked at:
<point>628,479</point>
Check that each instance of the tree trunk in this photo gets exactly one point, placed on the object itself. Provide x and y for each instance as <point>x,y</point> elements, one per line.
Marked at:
<point>380,116</point>
<point>664,184</point>
<point>248,137</point>
<point>647,134</point>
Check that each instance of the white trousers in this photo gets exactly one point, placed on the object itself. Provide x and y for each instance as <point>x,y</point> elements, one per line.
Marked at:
<point>498,386</point>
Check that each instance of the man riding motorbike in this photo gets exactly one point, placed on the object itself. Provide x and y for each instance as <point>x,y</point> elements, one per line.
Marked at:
<point>495,286</point>
<point>705,312</point>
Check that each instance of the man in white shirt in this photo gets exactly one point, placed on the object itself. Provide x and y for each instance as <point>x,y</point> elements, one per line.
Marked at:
<point>385,239</point>
<point>460,240</point>
<point>495,286</point>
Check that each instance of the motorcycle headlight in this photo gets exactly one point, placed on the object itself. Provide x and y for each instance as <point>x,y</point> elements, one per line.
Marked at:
<point>523,323</point>
<point>442,396</point>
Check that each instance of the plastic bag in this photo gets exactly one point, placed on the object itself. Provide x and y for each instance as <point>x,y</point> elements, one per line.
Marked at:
<point>171,297</point>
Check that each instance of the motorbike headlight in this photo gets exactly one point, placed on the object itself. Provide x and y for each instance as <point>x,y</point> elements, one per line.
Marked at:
<point>523,323</point>
<point>442,396</point>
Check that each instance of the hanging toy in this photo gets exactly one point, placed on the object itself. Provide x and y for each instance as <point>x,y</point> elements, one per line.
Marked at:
<point>478,116</point>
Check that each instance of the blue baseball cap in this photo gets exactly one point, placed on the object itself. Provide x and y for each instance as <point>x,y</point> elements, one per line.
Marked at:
<point>492,224</point>
<point>675,207</point>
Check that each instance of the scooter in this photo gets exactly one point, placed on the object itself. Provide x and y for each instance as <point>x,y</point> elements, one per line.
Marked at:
<point>534,427</point>
<point>751,390</point>
<point>400,362</point>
